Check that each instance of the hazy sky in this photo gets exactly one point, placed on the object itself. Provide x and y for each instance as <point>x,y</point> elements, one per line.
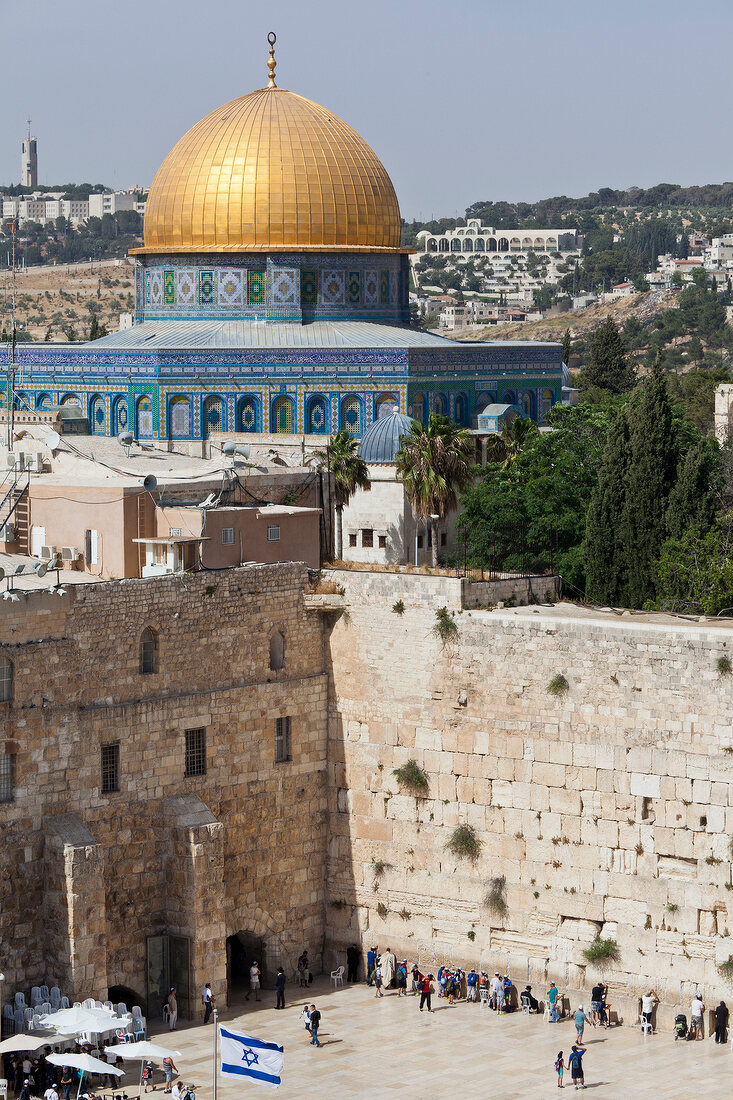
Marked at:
<point>462,99</point>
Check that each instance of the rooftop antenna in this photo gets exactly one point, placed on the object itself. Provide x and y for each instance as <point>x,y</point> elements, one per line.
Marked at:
<point>272,39</point>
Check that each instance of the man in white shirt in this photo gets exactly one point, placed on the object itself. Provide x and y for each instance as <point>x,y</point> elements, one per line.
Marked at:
<point>207,998</point>
<point>176,1093</point>
<point>50,1093</point>
<point>254,981</point>
<point>696,1014</point>
<point>648,1002</point>
<point>497,991</point>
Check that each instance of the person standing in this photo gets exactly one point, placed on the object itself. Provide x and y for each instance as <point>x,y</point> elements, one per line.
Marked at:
<point>26,1091</point>
<point>596,998</point>
<point>176,1093</point>
<point>648,1002</point>
<point>50,1093</point>
<point>580,1018</point>
<point>207,999</point>
<point>352,963</point>
<point>389,965</point>
<point>496,1000</point>
<point>66,1082</point>
<point>315,1022</point>
<point>378,979</point>
<point>559,1069</point>
<point>426,991</point>
<point>172,1008</point>
<point>148,1076</point>
<point>575,1065</point>
<point>169,1068</point>
<point>721,1022</point>
<point>416,979</point>
<point>471,985</point>
<point>553,997</point>
<point>696,1016</point>
<point>280,987</point>
<point>254,981</point>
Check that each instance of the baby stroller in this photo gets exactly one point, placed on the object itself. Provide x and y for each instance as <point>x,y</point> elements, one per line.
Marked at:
<point>680,1026</point>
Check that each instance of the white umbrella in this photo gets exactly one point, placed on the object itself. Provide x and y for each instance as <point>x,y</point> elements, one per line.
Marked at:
<point>142,1050</point>
<point>26,1042</point>
<point>96,1020</point>
<point>84,1062</point>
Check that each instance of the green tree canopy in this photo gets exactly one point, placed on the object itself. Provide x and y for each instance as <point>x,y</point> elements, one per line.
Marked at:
<point>608,366</point>
<point>349,472</point>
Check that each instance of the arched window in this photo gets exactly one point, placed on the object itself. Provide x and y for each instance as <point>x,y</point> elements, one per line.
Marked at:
<point>509,398</point>
<point>248,419</point>
<point>214,415</point>
<point>96,415</point>
<point>545,405</point>
<point>282,416</point>
<point>385,405</point>
<point>461,409</point>
<point>316,417</point>
<point>148,651</point>
<point>44,401</point>
<point>277,651</point>
<point>479,244</point>
<point>418,408</point>
<point>6,680</point>
<point>491,244</point>
<point>443,245</point>
<point>503,245</point>
<point>20,400</point>
<point>527,404</point>
<point>526,243</point>
<point>179,417</point>
<point>539,244</point>
<point>455,245</point>
<point>351,414</point>
<point>120,415</point>
<point>432,245</point>
<point>71,399</point>
<point>440,405</point>
<point>144,418</point>
<point>468,245</point>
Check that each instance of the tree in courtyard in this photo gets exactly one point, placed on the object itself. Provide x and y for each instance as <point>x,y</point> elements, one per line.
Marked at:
<point>349,471</point>
<point>434,464</point>
<point>651,475</point>
<point>608,365</point>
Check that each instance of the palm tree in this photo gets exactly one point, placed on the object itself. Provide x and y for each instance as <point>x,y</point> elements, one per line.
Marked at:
<point>508,446</point>
<point>433,464</point>
<point>349,472</point>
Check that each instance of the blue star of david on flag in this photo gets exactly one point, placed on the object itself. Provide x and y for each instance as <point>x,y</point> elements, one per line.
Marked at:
<point>245,1056</point>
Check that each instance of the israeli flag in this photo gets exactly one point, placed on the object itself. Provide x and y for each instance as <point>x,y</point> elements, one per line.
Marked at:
<point>243,1056</point>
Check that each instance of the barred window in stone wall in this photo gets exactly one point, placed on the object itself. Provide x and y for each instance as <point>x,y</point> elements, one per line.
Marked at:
<point>282,740</point>
<point>195,763</point>
<point>351,415</point>
<point>6,680</point>
<point>273,533</point>
<point>111,768</point>
<point>7,777</point>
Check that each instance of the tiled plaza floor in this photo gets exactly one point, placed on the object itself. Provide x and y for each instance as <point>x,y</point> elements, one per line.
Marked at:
<point>386,1047</point>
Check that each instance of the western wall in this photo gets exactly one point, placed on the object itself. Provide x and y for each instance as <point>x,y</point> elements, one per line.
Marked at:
<point>607,807</point>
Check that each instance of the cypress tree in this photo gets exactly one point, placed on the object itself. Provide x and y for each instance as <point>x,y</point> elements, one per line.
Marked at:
<point>651,475</point>
<point>692,501</point>
<point>603,553</point>
<point>566,345</point>
<point>608,366</point>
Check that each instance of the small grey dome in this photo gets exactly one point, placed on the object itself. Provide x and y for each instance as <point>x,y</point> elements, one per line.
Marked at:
<point>381,441</point>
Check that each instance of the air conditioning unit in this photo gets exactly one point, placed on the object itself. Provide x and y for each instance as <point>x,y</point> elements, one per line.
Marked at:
<point>33,463</point>
<point>69,553</point>
<point>12,460</point>
<point>7,532</point>
<point>48,553</point>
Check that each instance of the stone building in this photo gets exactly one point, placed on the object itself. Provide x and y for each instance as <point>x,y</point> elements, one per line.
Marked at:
<point>162,783</point>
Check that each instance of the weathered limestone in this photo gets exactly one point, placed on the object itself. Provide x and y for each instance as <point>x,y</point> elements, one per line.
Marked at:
<point>608,809</point>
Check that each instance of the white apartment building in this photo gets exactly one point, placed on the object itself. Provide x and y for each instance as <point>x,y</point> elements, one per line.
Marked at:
<point>477,237</point>
<point>110,202</point>
<point>47,207</point>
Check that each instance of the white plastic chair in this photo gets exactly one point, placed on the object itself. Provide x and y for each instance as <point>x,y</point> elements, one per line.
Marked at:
<point>77,1004</point>
<point>27,1015</point>
<point>108,1006</point>
<point>19,1019</point>
<point>36,1024</point>
<point>139,1028</point>
<point>547,1014</point>
<point>121,1009</point>
<point>89,1003</point>
<point>19,1000</point>
<point>45,995</point>
<point>483,996</point>
<point>646,1026</point>
<point>337,977</point>
<point>36,997</point>
<point>64,1002</point>
<point>45,1009</point>
<point>55,998</point>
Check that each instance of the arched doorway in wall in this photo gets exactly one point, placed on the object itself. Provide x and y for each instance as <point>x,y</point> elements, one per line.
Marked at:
<point>243,949</point>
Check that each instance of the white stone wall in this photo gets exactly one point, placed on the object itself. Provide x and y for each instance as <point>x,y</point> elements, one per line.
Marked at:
<point>608,809</point>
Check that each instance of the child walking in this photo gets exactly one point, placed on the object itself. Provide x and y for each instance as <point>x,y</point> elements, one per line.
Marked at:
<point>559,1067</point>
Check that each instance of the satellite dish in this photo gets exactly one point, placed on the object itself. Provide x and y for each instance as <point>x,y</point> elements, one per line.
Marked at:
<point>52,440</point>
<point>150,482</point>
<point>41,568</point>
<point>124,439</point>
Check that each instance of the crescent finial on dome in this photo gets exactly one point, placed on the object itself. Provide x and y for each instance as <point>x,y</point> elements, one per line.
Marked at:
<point>272,39</point>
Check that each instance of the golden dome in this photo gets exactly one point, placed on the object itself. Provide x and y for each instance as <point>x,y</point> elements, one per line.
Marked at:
<point>271,171</point>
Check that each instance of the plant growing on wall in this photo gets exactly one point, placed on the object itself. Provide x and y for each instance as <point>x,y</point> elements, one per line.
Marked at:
<point>464,843</point>
<point>558,685</point>
<point>471,935</point>
<point>445,626</point>
<point>398,607</point>
<point>724,666</point>
<point>382,910</point>
<point>495,896</point>
<point>726,970</point>
<point>412,776</point>
<point>601,951</point>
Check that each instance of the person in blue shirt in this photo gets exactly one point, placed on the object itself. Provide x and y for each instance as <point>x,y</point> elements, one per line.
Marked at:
<point>553,997</point>
<point>575,1065</point>
<point>371,963</point>
<point>471,985</point>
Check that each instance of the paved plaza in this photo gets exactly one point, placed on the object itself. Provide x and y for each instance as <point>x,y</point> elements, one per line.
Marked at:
<point>386,1047</point>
